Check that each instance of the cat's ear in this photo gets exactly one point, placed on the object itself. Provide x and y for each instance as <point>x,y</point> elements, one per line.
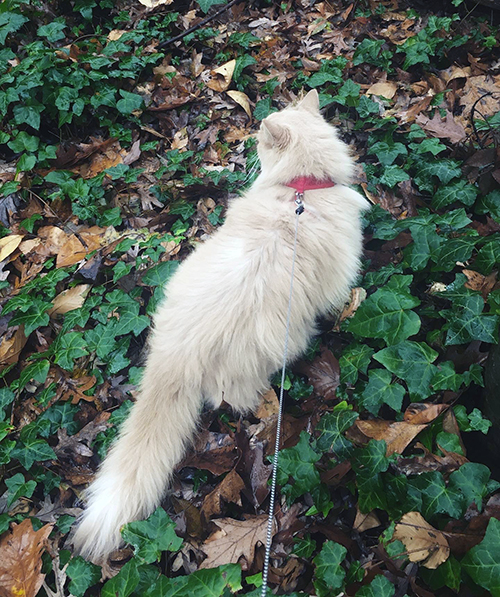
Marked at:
<point>274,135</point>
<point>310,102</point>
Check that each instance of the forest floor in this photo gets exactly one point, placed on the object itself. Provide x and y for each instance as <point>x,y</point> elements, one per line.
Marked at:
<point>123,139</point>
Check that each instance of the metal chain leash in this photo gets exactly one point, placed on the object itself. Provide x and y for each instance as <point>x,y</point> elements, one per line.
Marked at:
<point>269,534</point>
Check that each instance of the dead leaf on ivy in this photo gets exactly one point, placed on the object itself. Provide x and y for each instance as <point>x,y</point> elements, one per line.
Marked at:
<point>269,405</point>
<point>383,89</point>
<point>420,413</point>
<point>397,435</point>
<point>234,541</point>
<point>68,300</point>
<point>423,542</point>
<point>21,560</point>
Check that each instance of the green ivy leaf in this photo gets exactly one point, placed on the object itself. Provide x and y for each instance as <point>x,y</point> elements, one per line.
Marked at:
<point>37,371</point>
<point>329,572</point>
<point>379,587</point>
<point>387,153</point>
<point>447,575</point>
<point>381,390</point>
<point>52,31</point>
<point>466,321</point>
<point>445,377</point>
<point>472,480</point>
<point>204,583</point>
<point>459,191</point>
<point>386,313</point>
<point>490,205</point>
<point>299,464</point>
<point>18,487</point>
<point>454,250</point>
<point>206,5</point>
<point>412,362</point>
<point>152,536</point>
<point>354,359</point>
<point>124,583</point>
<point>331,428</point>
<point>129,102</point>
<point>488,256</point>
<point>392,175</point>
<point>71,347</point>
<point>263,108</point>
<point>482,562</point>
<point>83,575</point>
<point>158,275</point>
<point>371,459</point>
<point>436,497</point>
<point>36,316</point>
<point>31,451</point>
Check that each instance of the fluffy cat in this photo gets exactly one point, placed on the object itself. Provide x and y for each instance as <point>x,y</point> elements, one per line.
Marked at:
<point>219,333</point>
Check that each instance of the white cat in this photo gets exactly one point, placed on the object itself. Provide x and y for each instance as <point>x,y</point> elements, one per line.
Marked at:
<point>219,333</point>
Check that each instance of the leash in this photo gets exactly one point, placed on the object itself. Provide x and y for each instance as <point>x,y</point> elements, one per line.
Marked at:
<point>299,196</point>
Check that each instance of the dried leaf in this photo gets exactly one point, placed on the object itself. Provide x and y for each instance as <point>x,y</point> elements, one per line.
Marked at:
<point>70,299</point>
<point>419,413</point>
<point>221,76</point>
<point>268,406</point>
<point>423,542</point>
<point>242,99</point>
<point>21,560</point>
<point>482,89</point>
<point>8,244</point>
<point>358,295</point>
<point>383,89</point>
<point>233,540</point>
<point>397,435</point>
<point>365,522</point>
<point>323,373</point>
<point>443,129</point>
<point>11,345</point>
<point>155,3</point>
<point>228,490</point>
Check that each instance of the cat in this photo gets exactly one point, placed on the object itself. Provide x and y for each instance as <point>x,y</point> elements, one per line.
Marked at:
<point>219,333</point>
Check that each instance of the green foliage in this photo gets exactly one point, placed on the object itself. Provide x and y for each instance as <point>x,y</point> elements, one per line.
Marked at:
<point>152,536</point>
<point>297,472</point>
<point>329,572</point>
<point>481,562</point>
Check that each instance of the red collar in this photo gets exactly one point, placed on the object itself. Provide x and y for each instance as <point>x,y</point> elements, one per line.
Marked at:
<point>308,183</point>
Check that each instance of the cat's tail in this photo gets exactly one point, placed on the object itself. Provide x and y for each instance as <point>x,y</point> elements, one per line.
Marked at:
<point>133,478</point>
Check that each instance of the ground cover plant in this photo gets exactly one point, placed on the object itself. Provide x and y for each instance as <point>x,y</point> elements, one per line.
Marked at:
<point>123,138</point>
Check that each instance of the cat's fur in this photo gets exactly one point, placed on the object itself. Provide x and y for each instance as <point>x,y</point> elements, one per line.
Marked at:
<point>219,334</point>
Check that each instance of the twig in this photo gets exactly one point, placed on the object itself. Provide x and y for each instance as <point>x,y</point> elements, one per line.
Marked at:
<point>198,25</point>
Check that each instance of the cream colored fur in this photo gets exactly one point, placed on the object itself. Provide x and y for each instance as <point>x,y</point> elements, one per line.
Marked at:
<point>220,331</point>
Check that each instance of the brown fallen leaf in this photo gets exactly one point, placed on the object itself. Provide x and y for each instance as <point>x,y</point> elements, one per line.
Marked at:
<point>215,452</point>
<point>420,413</point>
<point>221,76</point>
<point>323,373</point>
<point>482,89</point>
<point>269,405</point>
<point>365,522</point>
<point>11,344</point>
<point>383,89</point>
<point>397,435</point>
<point>242,99</point>
<point>233,540</point>
<point>358,295</point>
<point>68,300</point>
<point>228,490</point>
<point>423,542</point>
<point>8,244</point>
<point>21,560</point>
<point>483,284</point>
<point>443,129</point>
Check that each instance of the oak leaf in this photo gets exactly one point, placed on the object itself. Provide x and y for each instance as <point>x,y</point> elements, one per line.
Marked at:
<point>21,560</point>
<point>233,540</point>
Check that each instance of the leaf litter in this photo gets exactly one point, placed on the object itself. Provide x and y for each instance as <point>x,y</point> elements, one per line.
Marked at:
<point>167,177</point>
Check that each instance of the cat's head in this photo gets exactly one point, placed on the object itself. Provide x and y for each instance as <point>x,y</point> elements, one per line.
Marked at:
<point>299,142</point>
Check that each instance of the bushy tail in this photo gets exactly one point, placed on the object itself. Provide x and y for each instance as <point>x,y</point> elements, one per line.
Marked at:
<point>132,480</point>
